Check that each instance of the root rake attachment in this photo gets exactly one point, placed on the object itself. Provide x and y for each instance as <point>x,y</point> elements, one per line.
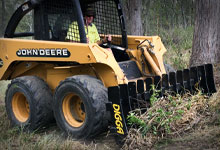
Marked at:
<point>128,97</point>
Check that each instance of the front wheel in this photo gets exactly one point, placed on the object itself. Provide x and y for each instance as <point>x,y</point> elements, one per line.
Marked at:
<point>79,106</point>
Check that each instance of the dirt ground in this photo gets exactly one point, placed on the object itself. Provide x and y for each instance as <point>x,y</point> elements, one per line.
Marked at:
<point>202,139</point>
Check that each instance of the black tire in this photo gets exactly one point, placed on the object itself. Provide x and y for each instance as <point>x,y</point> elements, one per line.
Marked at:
<point>79,106</point>
<point>28,103</point>
<point>169,68</point>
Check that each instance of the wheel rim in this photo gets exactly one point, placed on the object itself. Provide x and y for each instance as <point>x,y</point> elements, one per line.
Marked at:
<point>20,107</point>
<point>73,110</point>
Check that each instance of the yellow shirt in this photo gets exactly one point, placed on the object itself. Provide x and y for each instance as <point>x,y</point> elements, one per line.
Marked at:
<point>73,33</point>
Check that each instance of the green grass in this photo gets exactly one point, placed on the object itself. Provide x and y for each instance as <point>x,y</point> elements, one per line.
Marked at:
<point>3,87</point>
<point>178,42</point>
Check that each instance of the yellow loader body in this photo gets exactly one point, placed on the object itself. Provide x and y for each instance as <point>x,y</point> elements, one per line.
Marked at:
<point>32,57</point>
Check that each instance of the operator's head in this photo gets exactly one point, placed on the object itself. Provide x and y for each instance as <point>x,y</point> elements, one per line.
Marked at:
<point>89,14</point>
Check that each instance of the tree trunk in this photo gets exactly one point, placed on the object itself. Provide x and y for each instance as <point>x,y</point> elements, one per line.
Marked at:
<point>183,14</point>
<point>146,4</point>
<point>206,40</point>
<point>132,9</point>
<point>173,18</point>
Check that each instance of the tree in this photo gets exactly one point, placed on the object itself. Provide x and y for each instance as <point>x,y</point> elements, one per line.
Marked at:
<point>133,10</point>
<point>206,40</point>
<point>145,13</point>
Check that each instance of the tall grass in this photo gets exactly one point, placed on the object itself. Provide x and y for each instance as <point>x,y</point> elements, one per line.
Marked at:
<point>178,42</point>
<point>3,87</point>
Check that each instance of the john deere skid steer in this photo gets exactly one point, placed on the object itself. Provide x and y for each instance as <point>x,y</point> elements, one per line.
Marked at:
<point>85,87</point>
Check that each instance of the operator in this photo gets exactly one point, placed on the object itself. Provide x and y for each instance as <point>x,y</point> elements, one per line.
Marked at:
<point>90,28</point>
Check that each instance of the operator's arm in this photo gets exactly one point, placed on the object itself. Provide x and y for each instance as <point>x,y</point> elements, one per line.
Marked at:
<point>106,39</point>
<point>97,40</point>
<point>94,36</point>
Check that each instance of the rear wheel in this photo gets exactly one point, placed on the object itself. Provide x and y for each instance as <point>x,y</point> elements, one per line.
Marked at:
<point>79,106</point>
<point>28,103</point>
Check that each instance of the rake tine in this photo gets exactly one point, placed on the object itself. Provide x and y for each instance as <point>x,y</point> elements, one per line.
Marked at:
<point>202,78</point>
<point>132,94</point>
<point>114,97</point>
<point>157,83</point>
<point>140,89</point>
<point>142,99</point>
<point>172,80</point>
<point>165,83</point>
<point>193,72</point>
<point>126,103</point>
<point>148,93</point>
<point>179,77</point>
<point>210,78</point>
<point>186,80</point>
<point>148,82</point>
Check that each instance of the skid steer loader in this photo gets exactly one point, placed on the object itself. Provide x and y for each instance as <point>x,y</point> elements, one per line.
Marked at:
<point>83,86</point>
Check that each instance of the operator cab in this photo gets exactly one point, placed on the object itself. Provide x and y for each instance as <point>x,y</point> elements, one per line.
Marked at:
<point>52,19</point>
